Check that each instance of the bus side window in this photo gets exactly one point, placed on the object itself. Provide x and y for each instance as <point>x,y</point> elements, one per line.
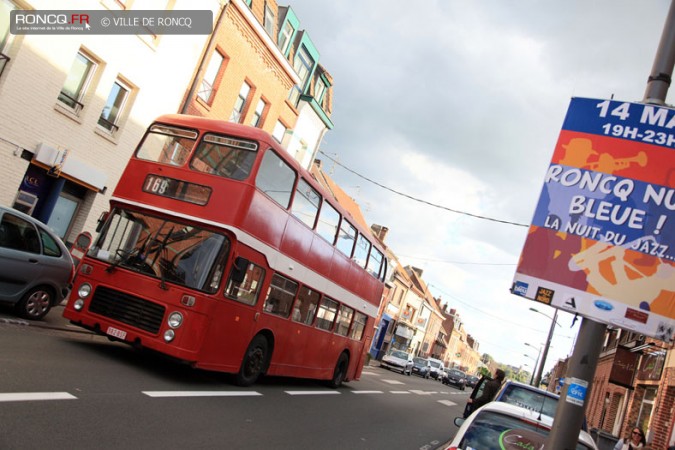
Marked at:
<point>326,314</point>
<point>359,326</point>
<point>344,320</point>
<point>244,282</point>
<point>280,296</point>
<point>305,305</point>
<point>275,178</point>
<point>306,203</point>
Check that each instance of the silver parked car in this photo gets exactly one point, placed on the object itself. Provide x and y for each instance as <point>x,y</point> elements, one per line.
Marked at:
<point>35,265</point>
<point>399,361</point>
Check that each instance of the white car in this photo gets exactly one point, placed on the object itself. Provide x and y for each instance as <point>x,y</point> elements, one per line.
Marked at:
<point>398,360</point>
<point>499,425</point>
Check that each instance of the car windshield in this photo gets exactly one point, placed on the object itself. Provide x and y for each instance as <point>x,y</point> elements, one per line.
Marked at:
<point>529,399</point>
<point>490,430</point>
<point>399,354</point>
<point>420,361</point>
<point>168,250</point>
<point>457,373</point>
<point>435,364</point>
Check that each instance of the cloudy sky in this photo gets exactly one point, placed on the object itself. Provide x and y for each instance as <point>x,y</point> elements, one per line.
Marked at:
<point>459,104</point>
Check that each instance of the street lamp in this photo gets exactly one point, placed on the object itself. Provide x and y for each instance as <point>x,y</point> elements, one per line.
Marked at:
<point>554,322</point>
<point>536,364</point>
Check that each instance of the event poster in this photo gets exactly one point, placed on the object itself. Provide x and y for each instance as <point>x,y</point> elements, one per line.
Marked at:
<point>601,242</point>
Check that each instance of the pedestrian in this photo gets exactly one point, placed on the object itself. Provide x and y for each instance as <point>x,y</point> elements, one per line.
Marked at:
<point>489,392</point>
<point>635,440</point>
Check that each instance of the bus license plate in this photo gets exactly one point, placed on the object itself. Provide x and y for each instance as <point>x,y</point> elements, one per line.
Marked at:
<point>114,332</point>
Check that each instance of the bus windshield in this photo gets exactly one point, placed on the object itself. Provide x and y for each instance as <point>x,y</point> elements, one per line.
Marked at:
<point>165,249</point>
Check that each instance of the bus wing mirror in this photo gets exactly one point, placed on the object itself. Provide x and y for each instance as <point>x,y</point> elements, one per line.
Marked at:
<point>239,269</point>
<point>101,220</point>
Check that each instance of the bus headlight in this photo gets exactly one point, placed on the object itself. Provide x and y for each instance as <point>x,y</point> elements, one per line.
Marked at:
<point>84,290</point>
<point>169,335</point>
<point>175,319</point>
<point>78,304</point>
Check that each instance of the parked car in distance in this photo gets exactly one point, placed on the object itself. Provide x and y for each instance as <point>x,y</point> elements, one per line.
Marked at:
<point>421,367</point>
<point>35,265</point>
<point>437,368</point>
<point>454,377</point>
<point>502,425</point>
<point>399,361</point>
<point>471,380</point>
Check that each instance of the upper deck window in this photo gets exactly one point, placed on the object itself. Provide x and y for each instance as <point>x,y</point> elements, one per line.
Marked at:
<point>375,262</point>
<point>329,219</point>
<point>225,157</point>
<point>275,178</point>
<point>362,251</point>
<point>346,238</point>
<point>305,203</point>
<point>168,145</point>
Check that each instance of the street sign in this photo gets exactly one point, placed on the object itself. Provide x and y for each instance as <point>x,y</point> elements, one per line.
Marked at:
<point>602,240</point>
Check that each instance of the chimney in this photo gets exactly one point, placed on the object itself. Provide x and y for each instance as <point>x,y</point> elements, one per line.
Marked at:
<point>379,231</point>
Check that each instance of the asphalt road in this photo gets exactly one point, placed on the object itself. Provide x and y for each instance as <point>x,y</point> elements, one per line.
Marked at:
<point>72,390</point>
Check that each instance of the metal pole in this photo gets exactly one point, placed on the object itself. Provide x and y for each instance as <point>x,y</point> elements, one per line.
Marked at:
<point>536,366</point>
<point>569,416</point>
<point>662,70</point>
<point>540,369</point>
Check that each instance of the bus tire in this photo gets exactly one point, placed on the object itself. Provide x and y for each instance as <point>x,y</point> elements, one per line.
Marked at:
<point>340,371</point>
<point>254,362</point>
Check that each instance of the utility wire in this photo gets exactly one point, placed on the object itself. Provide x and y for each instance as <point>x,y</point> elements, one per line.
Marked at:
<point>420,200</point>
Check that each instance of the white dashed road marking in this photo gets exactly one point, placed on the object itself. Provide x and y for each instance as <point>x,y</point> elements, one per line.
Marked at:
<point>201,393</point>
<point>312,392</point>
<point>367,392</point>
<point>30,396</point>
<point>447,402</point>
<point>393,382</point>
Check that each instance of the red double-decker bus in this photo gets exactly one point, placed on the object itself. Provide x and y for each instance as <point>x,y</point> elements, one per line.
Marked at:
<point>221,251</point>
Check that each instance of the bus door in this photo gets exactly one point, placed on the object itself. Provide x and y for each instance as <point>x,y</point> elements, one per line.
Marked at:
<point>235,318</point>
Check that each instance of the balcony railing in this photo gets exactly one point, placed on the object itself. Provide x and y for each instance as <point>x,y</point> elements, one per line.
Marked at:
<point>4,60</point>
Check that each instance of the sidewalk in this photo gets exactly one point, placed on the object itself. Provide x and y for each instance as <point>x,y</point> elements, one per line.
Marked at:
<point>53,320</point>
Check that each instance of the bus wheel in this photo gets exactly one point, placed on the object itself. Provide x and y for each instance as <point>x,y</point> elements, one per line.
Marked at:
<point>254,361</point>
<point>340,371</point>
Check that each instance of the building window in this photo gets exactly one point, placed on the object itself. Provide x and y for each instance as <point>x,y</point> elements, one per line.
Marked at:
<point>77,82</point>
<point>303,65</point>
<point>240,103</point>
<point>279,131</point>
<point>114,107</point>
<point>285,36</point>
<point>6,7</point>
<point>259,113</point>
<point>319,90</point>
<point>6,37</point>
<point>269,20</point>
<point>207,90</point>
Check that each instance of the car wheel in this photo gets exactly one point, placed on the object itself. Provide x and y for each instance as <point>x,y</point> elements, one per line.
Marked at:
<point>254,362</point>
<point>36,303</point>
